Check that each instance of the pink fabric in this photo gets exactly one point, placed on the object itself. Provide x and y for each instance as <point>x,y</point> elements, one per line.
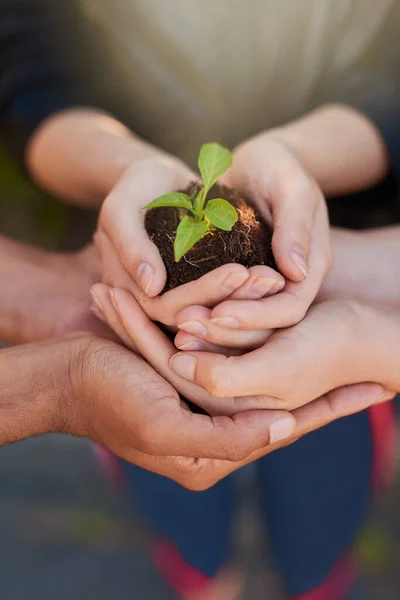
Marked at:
<point>384,444</point>
<point>181,577</point>
<point>338,584</point>
<point>110,465</point>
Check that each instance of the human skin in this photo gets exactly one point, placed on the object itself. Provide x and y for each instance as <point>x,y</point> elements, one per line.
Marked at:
<point>85,156</point>
<point>89,386</point>
<point>365,268</point>
<point>337,343</point>
<point>92,387</point>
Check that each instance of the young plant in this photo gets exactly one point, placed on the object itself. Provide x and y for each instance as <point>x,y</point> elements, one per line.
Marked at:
<point>205,214</point>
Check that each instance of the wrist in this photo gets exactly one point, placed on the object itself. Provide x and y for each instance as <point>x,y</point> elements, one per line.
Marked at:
<point>35,395</point>
<point>365,267</point>
<point>340,147</point>
<point>378,341</point>
<point>58,299</point>
<point>80,154</point>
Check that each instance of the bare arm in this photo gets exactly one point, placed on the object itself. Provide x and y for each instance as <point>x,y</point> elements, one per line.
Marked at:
<point>80,154</point>
<point>339,146</point>
<point>45,294</point>
<point>34,390</point>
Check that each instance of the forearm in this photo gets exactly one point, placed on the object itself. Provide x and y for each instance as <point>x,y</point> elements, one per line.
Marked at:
<point>339,146</point>
<point>44,294</point>
<point>21,271</point>
<point>378,339</point>
<point>79,155</point>
<point>35,395</point>
<point>366,266</point>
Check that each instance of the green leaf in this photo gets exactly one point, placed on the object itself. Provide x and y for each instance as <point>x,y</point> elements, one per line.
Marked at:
<point>187,235</point>
<point>221,214</point>
<point>173,199</point>
<point>214,160</point>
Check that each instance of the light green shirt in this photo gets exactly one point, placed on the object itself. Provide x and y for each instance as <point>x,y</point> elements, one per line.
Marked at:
<point>201,70</point>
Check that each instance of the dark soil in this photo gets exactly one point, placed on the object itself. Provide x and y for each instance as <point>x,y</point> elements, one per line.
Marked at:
<point>249,242</point>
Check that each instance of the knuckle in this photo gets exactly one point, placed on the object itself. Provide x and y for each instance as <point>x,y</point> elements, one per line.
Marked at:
<point>238,453</point>
<point>194,476</point>
<point>216,384</point>
<point>219,382</point>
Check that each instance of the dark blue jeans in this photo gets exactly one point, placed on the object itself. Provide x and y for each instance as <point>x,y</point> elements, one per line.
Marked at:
<point>315,495</point>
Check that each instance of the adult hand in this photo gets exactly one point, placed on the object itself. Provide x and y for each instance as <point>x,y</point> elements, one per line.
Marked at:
<point>365,268</point>
<point>338,343</point>
<point>46,294</point>
<point>121,402</point>
<point>286,195</point>
<point>131,261</point>
<point>150,340</point>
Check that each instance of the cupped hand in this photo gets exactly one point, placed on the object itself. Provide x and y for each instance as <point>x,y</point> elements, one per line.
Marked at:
<point>121,402</point>
<point>131,261</point>
<point>273,178</point>
<point>337,344</point>
<point>159,432</point>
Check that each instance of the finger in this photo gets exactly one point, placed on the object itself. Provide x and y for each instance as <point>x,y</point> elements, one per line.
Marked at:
<point>281,310</point>
<point>101,296</point>
<point>292,222</point>
<point>262,281</point>
<point>231,438</point>
<point>188,342</point>
<point>123,220</point>
<point>196,320</point>
<point>252,374</point>
<point>211,288</point>
<point>339,403</point>
<point>157,349</point>
<point>176,431</point>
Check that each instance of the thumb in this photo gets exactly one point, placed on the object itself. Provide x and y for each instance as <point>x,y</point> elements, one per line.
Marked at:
<point>123,219</point>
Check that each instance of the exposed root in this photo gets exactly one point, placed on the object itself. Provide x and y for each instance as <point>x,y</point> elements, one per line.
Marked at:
<point>195,262</point>
<point>190,263</point>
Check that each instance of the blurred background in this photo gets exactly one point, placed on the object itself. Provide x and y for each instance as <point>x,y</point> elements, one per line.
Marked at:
<point>65,532</point>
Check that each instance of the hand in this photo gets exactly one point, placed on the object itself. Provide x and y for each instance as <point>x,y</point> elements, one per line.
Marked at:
<point>46,294</point>
<point>149,339</point>
<point>366,267</point>
<point>337,344</point>
<point>122,403</point>
<point>270,174</point>
<point>131,261</point>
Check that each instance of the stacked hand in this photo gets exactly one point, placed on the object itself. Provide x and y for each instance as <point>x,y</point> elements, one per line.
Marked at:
<point>244,363</point>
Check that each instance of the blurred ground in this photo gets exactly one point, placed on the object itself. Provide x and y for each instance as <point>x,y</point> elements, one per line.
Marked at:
<point>66,533</point>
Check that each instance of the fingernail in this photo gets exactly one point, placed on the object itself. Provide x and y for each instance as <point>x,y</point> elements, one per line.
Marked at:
<point>278,287</point>
<point>299,259</point>
<point>96,304</point>
<point>194,327</point>
<point>183,365</point>
<point>281,429</point>
<point>114,300</point>
<point>192,346</point>
<point>234,281</point>
<point>97,312</point>
<point>262,286</point>
<point>229,322</point>
<point>145,275</point>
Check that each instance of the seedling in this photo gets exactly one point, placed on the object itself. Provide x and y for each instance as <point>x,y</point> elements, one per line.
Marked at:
<point>205,214</point>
